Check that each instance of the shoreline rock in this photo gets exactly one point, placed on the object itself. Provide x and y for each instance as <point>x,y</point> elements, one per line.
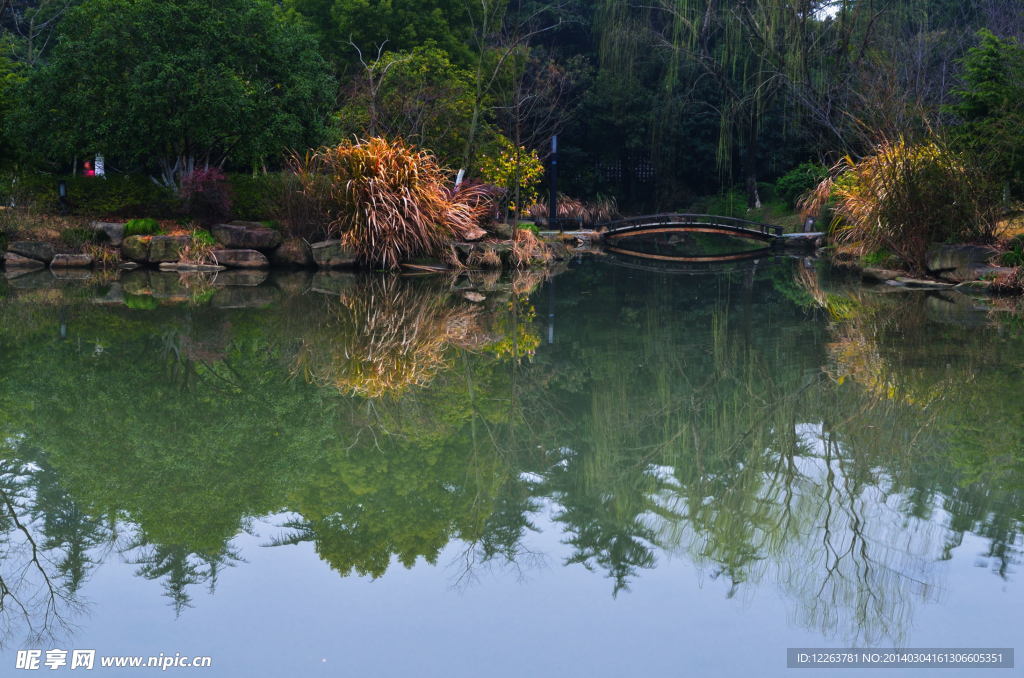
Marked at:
<point>246,235</point>
<point>112,231</point>
<point>13,260</point>
<point>293,253</point>
<point>33,249</point>
<point>331,255</point>
<point>71,261</point>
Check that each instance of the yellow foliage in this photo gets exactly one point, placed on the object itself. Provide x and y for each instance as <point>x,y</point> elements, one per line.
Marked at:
<point>511,166</point>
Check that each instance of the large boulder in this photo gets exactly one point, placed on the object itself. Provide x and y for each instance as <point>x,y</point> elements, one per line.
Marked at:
<point>112,232</point>
<point>501,229</point>
<point>241,258</point>
<point>246,236</point>
<point>33,249</point>
<point>332,255</point>
<point>167,247</point>
<point>136,248</point>
<point>293,253</point>
<point>958,263</point>
<point>16,261</point>
<point>71,261</point>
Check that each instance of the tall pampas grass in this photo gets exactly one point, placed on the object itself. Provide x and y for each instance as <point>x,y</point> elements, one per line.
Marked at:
<point>905,197</point>
<point>389,201</point>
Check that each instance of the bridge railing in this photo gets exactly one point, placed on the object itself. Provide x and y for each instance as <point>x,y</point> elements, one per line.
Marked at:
<point>669,219</point>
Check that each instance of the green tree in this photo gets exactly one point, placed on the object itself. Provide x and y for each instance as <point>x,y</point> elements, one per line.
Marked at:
<point>401,25</point>
<point>420,96</point>
<point>990,107</point>
<point>169,85</point>
<point>10,79</point>
<point>30,27</point>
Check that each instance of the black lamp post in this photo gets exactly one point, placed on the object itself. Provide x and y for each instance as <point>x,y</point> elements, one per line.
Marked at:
<point>553,176</point>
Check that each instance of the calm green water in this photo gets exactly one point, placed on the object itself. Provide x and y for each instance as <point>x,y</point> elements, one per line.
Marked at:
<point>617,472</point>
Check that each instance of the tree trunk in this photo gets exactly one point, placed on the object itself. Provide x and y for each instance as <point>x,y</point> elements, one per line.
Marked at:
<point>171,172</point>
<point>750,164</point>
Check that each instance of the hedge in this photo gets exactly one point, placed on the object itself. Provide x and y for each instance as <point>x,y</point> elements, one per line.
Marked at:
<point>115,195</point>
<point>254,198</point>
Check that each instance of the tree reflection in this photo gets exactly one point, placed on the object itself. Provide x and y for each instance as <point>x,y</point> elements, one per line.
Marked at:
<point>774,427</point>
<point>34,602</point>
<point>179,568</point>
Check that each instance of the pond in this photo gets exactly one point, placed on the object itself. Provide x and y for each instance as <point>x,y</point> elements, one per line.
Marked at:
<point>619,470</point>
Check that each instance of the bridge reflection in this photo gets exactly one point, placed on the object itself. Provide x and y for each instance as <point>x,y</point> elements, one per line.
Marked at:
<point>711,259</point>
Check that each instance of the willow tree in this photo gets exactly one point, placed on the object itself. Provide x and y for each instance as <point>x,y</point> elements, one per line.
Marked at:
<point>759,54</point>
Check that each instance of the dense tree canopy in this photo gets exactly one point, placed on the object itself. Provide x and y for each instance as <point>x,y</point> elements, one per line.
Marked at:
<point>175,83</point>
<point>990,106</point>
<point>659,103</point>
<point>346,26</point>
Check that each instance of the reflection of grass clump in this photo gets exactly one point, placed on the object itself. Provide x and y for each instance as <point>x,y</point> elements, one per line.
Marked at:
<point>140,302</point>
<point>199,286</point>
<point>386,336</point>
<point>840,308</point>
<point>519,337</point>
<point>203,297</point>
<point>861,352</point>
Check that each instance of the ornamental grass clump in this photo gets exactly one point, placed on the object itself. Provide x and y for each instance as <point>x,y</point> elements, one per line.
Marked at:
<point>527,249</point>
<point>903,198</point>
<point>388,201</point>
<point>578,213</point>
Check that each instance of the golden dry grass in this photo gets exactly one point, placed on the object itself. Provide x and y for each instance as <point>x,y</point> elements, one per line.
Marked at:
<point>903,198</point>
<point>528,249</point>
<point>578,212</point>
<point>389,201</point>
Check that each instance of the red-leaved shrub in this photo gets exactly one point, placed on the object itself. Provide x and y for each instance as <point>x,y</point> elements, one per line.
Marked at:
<point>206,195</point>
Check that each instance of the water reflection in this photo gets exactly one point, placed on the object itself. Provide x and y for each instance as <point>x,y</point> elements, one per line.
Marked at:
<point>775,426</point>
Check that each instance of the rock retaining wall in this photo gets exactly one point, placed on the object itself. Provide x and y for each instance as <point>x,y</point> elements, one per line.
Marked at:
<point>250,245</point>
